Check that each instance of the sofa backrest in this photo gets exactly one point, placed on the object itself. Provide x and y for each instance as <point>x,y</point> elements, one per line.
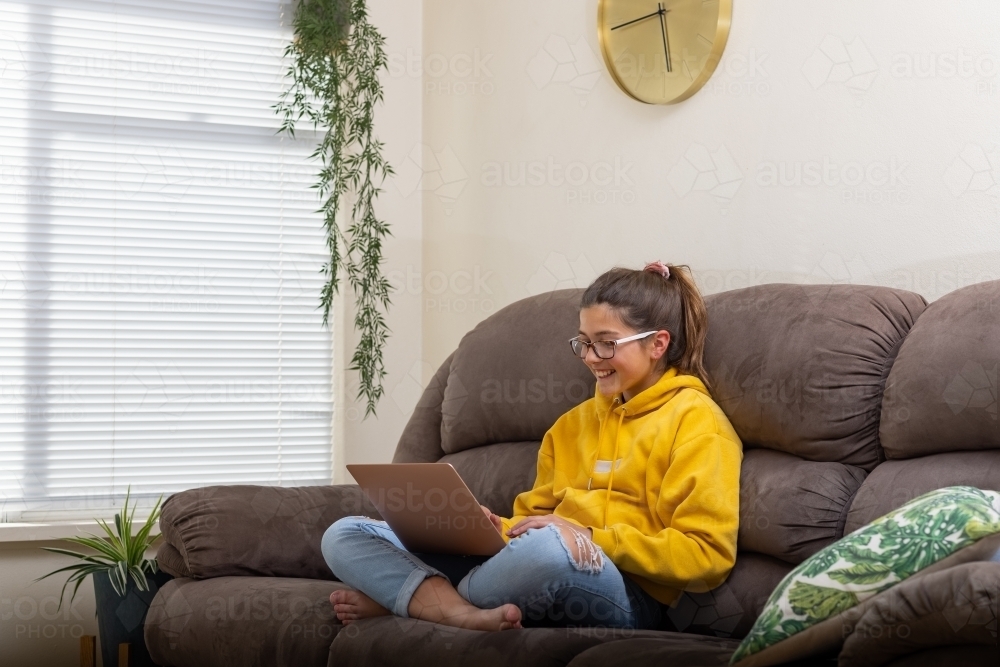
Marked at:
<point>800,370</point>
<point>939,417</point>
<point>941,394</point>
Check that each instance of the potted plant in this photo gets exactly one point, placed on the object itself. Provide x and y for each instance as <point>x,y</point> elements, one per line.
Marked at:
<point>125,581</point>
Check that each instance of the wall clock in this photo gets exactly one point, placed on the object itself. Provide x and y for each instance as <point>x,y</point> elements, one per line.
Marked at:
<point>662,52</point>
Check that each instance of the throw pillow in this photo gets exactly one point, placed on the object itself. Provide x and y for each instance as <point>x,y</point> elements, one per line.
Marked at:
<point>872,559</point>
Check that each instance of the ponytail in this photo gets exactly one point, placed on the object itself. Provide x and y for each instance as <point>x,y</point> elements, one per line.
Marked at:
<point>663,296</point>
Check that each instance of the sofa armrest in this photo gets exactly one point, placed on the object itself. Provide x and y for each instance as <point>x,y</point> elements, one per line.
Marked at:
<point>952,607</point>
<point>170,561</point>
<point>220,531</point>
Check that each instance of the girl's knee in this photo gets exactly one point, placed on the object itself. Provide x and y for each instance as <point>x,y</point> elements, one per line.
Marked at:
<point>337,531</point>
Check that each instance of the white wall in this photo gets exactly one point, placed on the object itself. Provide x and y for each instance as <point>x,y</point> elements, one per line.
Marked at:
<point>910,156</point>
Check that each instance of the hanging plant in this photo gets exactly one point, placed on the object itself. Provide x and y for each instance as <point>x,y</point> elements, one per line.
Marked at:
<point>336,57</point>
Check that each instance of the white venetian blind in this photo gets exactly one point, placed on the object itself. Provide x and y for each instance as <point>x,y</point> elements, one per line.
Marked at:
<point>160,257</point>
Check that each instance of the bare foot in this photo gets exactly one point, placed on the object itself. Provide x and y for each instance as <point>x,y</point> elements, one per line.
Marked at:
<point>437,601</point>
<point>352,605</point>
<point>505,617</point>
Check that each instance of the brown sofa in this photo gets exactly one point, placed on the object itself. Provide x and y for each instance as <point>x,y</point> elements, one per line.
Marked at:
<point>850,400</point>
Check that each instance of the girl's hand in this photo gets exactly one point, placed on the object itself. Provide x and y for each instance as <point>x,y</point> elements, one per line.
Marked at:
<point>544,520</point>
<point>494,519</point>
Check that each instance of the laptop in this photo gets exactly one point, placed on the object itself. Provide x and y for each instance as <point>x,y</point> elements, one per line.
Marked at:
<point>429,508</point>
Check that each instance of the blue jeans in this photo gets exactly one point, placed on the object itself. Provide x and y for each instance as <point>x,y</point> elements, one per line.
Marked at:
<point>536,571</point>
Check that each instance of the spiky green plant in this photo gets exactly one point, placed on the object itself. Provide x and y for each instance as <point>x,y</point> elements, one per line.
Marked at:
<point>118,552</point>
<point>336,58</point>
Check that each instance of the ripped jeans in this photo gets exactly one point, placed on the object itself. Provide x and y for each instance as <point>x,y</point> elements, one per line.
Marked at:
<point>536,571</point>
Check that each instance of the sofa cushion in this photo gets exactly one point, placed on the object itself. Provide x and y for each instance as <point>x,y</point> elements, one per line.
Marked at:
<point>970,655</point>
<point>941,394</point>
<point>920,534</point>
<point>955,606</point>
<point>242,622</point>
<point>896,482</point>
<point>800,368</point>
<point>257,530</point>
<point>730,609</point>
<point>680,650</point>
<point>496,474</point>
<point>514,374</point>
<point>791,508</point>
<point>387,639</point>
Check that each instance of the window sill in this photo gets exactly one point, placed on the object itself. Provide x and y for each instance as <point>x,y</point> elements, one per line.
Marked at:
<point>48,532</point>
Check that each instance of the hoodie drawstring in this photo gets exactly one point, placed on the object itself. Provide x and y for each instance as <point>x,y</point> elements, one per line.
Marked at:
<point>600,432</point>
<point>611,479</point>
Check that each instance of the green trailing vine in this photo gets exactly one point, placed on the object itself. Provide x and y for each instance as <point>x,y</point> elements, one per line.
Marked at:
<point>336,57</point>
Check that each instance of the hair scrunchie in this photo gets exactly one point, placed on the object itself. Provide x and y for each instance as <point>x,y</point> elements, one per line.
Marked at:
<point>658,267</point>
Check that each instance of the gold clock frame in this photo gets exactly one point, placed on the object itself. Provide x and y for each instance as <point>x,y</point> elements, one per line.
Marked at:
<point>715,53</point>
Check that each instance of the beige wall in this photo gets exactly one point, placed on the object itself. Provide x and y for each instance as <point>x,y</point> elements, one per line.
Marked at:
<point>899,165</point>
<point>33,633</point>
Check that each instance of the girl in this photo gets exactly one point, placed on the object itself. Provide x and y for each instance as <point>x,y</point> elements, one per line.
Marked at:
<point>636,498</point>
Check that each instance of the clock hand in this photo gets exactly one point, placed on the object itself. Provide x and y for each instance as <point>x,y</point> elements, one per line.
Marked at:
<point>641,18</point>
<point>663,29</point>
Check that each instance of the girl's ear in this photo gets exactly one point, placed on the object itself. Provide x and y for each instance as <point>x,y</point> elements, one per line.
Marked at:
<point>661,342</point>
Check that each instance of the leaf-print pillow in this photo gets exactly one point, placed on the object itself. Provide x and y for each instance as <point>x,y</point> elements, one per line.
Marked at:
<point>872,559</point>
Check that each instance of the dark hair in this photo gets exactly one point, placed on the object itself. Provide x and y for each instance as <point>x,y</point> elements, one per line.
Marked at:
<point>645,299</point>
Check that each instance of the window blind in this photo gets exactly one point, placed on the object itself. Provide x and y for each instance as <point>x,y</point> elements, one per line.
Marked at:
<point>160,265</point>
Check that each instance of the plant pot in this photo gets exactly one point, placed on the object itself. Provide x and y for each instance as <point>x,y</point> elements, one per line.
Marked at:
<point>120,619</point>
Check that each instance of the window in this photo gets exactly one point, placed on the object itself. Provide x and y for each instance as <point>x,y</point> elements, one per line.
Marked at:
<point>160,265</point>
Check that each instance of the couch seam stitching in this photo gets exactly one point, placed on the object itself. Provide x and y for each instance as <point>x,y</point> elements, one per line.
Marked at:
<point>887,364</point>
<point>845,510</point>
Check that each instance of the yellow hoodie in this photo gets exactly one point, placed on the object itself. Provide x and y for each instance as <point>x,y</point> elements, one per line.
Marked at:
<point>667,512</point>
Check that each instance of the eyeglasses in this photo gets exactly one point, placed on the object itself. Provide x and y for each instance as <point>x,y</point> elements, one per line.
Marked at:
<point>604,349</point>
